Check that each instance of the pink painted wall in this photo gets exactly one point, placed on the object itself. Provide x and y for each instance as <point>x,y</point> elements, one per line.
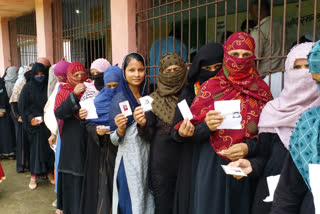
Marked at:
<point>123,29</point>
<point>4,45</point>
<point>44,29</point>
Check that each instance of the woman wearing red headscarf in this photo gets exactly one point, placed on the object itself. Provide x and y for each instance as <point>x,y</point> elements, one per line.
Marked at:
<point>73,139</point>
<point>213,191</point>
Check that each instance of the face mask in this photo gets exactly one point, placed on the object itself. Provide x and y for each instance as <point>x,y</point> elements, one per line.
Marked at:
<point>98,81</point>
<point>204,75</point>
<point>39,78</point>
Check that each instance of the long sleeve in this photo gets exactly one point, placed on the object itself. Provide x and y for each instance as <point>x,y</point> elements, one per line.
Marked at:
<point>148,131</point>
<point>14,110</point>
<point>25,106</point>
<point>201,134</point>
<point>68,108</point>
<point>262,152</point>
<point>290,191</point>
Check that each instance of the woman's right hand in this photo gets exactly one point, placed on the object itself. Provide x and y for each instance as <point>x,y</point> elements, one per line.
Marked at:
<point>20,119</point>
<point>35,122</point>
<point>213,119</point>
<point>186,129</point>
<point>1,114</point>
<point>121,122</point>
<point>139,116</point>
<point>244,164</point>
<point>79,89</point>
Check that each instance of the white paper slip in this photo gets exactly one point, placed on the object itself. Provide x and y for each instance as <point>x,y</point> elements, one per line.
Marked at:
<point>54,147</point>
<point>229,170</point>
<point>272,182</point>
<point>105,127</point>
<point>314,177</point>
<point>146,102</point>
<point>230,109</point>
<point>39,119</point>
<point>90,107</point>
<point>185,110</point>
<point>125,108</point>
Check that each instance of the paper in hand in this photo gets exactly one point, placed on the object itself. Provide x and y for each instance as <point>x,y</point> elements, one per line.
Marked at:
<point>125,108</point>
<point>146,102</point>
<point>90,107</point>
<point>314,177</point>
<point>272,182</point>
<point>54,147</point>
<point>230,109</point>
<point>185,110</point>
<point>229,170</point>
<point>39,119</point>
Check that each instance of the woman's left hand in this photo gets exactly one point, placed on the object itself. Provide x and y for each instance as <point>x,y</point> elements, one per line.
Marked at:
<point>101,131</point>
<point>139,116</point>
<point>236,152</point>
<point>83,113</point>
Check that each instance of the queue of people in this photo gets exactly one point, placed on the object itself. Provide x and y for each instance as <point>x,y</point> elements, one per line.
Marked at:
<point>129,160</point>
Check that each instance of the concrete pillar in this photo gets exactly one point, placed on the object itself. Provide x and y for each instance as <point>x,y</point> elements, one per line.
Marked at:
<point>123,29</point>
<point>4,45</point>
<point>44,29</point>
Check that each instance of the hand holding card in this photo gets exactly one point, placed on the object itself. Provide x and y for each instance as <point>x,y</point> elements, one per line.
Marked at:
<point>230,109</point>
<point>125,108</point>
<point>229,170</point>
<point>146,103</point>
<point>185,110</point>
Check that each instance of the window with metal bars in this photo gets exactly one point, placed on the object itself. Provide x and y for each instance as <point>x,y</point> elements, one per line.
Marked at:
<point>186,25</point>
<point>81,30</point>
<point>23,36</point>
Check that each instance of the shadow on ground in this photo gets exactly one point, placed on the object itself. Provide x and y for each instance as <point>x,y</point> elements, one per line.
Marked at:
<point>17,198</point>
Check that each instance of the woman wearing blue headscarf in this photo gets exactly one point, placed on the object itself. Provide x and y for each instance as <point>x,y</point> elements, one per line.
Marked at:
<point>293,193</point>
<point>130,189</point>
<point>98,180</point>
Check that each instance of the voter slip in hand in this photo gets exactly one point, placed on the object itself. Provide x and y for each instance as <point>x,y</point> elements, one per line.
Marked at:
<point>90,107</point>
<point>185,110</point>
<point>146,103</point>
<point>125,108</point>
<point>229,170</point>
<point>230,109</point>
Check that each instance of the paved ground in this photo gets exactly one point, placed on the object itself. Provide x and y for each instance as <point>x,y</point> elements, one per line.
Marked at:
<point>17,198</point>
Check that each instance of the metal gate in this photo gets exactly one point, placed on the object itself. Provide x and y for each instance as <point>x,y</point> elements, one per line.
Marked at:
<point>81,30</point>
<point>192,23</point>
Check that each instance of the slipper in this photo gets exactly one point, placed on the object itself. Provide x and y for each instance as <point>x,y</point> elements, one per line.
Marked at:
<point>54,204</point>
<point>34,184</point>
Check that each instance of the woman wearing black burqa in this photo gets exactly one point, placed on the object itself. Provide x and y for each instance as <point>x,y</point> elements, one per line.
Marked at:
<point>22,148</point>
<point>205,65</point>
<point>7,135</point>
<point>32,100</point>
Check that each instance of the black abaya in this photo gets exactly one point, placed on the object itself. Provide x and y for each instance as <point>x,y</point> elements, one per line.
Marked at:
<point>163,162</point>
<point>72,156</point>
<point>7,133</point>
<point>32,100</point>
<point>22,149</point>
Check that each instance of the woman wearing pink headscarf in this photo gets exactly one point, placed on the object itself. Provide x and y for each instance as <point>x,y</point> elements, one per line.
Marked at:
<point>277,121</point>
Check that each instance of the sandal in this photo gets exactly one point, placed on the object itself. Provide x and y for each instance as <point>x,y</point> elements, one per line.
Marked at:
<point>51,178</point>
<point>33,183</point>
<point>54,204</point>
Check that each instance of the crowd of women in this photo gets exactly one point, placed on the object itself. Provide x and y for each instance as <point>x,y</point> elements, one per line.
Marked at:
<point>157,161</point>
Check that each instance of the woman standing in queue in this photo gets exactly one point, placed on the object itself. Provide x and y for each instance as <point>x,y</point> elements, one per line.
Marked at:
<point>205,65</point>
<point>73,139</point>
<point>31,103</point>
<point>130,189</point>
<point>155,127</point>
<point>277,121</point>
<point>213,190</point>
<point>107,151</point>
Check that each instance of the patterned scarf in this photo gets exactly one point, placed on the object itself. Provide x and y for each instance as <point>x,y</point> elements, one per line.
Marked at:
<point>238,80</point>
<point>165,98</point>
<point>69,87</point>
<point>304,144</point>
